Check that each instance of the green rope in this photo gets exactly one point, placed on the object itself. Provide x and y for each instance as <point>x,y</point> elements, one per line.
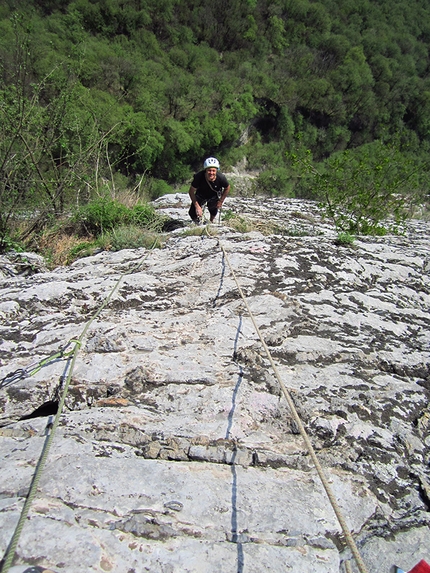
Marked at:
<point>10,552</point>
<point>31,370</point>
<point>53,357</point>
<point>35,367</point>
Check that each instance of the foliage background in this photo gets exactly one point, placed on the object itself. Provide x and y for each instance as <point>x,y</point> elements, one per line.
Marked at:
<point>111,93</point>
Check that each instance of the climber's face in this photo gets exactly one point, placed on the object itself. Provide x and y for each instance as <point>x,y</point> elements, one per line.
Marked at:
<point>211,173</point>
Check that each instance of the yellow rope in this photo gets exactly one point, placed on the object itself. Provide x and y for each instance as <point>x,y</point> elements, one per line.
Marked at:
<point>33,488</point>
<point>336,508</point>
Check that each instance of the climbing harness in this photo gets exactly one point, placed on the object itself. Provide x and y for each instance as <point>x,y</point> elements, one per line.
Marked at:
<point>52,426</point>
<point>348,536</point>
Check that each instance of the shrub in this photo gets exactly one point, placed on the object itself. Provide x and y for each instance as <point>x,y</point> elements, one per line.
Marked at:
<point>157,188</point>
<point>102,215</point>
<point>80,250</point>
<point>227,215</point>
<point>275,183</point>
<point>199,231</point>
<point>9,243</point>
<point>133,237</point>
<point>344,240</point>
<point>368,190</point>
<point>142,215</point>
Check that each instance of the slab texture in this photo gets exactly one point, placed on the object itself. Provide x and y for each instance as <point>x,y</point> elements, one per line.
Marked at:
<point>176,450</point>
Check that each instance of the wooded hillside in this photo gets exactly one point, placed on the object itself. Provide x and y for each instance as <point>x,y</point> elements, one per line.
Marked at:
<point>132,88</point>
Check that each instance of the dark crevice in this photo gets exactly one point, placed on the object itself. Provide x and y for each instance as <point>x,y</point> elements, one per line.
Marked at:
<point>49,408</point>
<point>172,225</point>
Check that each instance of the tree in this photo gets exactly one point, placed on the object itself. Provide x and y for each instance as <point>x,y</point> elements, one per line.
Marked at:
<point>369,190</point>
<point>51,147</point>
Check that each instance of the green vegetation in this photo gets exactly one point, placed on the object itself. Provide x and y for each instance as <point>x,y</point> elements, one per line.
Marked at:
<point>102,224</point>
<point>345,240</point>
<point>368,190</point>
<point>266,227</point>
<point>227,215</point>
<point>105,214</point>
<point>241,224</point>
<point>199,231</point>
<point>329,100</point>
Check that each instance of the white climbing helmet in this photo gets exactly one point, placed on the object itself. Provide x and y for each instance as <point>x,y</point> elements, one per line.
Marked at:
<point>211,162</point>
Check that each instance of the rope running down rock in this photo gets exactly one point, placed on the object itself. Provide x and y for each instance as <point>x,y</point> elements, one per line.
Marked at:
<point>348,536</point>
<point>50,431</point>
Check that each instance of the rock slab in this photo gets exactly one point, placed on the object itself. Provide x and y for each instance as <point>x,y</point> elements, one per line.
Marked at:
<point>176,450</point>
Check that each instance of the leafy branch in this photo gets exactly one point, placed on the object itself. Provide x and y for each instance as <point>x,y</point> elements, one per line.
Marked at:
<point>369,190</point>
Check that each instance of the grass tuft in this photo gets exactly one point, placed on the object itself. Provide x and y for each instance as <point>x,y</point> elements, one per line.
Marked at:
<point>344,240</point>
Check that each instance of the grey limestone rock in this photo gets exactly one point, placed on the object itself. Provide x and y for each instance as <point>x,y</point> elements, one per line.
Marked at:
<point>176,450</point>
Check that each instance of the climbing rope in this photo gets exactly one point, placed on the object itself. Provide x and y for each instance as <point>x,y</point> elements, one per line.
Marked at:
<point>52,427</point>
<point>31,370</point>
<point>348,536</point>
<point>71,355</point>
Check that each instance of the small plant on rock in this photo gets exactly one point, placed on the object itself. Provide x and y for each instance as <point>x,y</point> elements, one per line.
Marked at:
<point>227,215</point>
<point>133,237</point>
<point>345,240</point>
<point>104,215</point>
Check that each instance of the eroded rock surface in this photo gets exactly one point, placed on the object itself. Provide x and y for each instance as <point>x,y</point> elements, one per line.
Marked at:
<point>176,450</point>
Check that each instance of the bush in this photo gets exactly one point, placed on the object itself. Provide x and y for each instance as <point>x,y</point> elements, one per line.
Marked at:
<point>105,215</point>
<point>142,215</point>
<point>9,243</point>
<point>80,250</point>
<point>102,215</point>
<point>157,188</point>
<point>275,183</point>
<point>344,240</point>
<point>133,237</point>
<point>368,190</point>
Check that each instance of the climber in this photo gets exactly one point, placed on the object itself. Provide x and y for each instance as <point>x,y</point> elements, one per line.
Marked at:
<point>210,187</point>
